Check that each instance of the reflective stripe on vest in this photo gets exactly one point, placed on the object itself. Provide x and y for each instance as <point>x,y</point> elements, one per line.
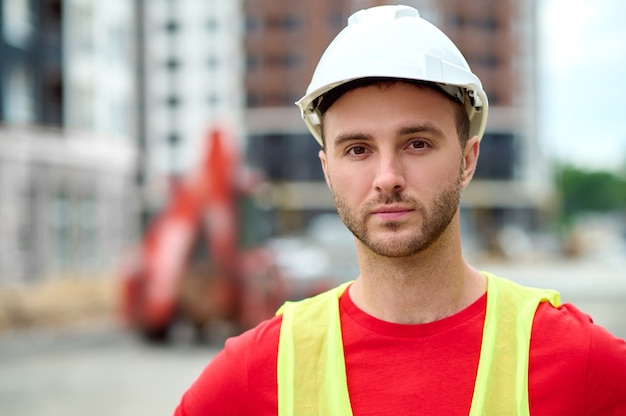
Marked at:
<point>312,371</point>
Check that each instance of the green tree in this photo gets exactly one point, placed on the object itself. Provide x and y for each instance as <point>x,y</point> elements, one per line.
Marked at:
<point>583,191</point>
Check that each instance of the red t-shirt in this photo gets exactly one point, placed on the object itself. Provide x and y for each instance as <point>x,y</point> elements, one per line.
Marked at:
<point>575,368</point>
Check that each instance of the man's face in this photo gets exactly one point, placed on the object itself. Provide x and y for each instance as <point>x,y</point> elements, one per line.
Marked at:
<point>395,166</point>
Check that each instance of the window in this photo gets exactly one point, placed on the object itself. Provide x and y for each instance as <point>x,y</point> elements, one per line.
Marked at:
<point>173,101</point>
<point>82,28</point>
<point>82,98</point>
<point>19,101</point>
<point>61,230</point>
<point>87,222</point>
<point>253,62</point>
<point>214,99</point>
<point>487,60</point>
<point>292,60</point>
<point>292,96</point>
<point>172,27</point>
<point>455,21</point>
<point>497,157</point>
<point>291,22</point>
<point>212,25</point>
<point>118,42</point>
<point>173,139</point>
<point>253,24</point>
<point>495,98</point>
<point>488,23</point>
<point>213,62</point>
<point>336,19</point>
<point>172,64</point>
<point>275,153</point>
<point>17,25</point>
<point>253,99</point>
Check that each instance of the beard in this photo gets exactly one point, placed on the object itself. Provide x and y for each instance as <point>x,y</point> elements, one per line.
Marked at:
<point>435,220</point>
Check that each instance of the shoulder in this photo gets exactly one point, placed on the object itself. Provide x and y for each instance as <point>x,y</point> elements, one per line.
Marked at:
<point>262,334</point>
<point>567,327</point>
<point>242,373</point>
<point>566,317</point>
<point>254,350</point>
<point>583,359</point>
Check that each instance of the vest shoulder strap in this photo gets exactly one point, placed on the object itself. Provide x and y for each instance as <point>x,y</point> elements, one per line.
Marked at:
<point>311,367</point>
<point>501,386</point>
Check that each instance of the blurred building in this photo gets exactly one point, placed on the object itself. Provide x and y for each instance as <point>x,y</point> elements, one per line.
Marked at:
<point>66,137</point>
<point>190,75</point>
<point>283,42</point>
<point>512,185</point>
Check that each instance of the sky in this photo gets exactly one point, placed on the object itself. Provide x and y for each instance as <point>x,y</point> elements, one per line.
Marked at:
<point>582,94</point>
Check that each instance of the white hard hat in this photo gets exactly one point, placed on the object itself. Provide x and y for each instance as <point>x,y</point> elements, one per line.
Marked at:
<point>394,42</point>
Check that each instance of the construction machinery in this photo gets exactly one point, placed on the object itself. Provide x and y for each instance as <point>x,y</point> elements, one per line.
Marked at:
<point>202,258</point>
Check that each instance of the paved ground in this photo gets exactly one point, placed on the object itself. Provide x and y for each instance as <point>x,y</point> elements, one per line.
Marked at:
<point>100,370</point>
<point>105,372</point>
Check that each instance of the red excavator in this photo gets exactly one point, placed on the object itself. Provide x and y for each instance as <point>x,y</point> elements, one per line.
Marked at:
<point>202,258</point>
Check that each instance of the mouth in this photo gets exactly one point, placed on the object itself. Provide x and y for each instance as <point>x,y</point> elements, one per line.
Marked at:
<point>391,213</point>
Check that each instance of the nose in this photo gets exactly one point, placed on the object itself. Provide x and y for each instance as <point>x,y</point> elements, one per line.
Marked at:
<point>390,175</point>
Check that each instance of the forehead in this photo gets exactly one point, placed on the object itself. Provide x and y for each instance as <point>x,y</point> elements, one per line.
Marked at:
<point>384,105</point>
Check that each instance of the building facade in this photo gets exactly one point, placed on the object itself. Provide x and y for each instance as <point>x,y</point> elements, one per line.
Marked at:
<point>511,186</point>
<point>66,146</point>
<point>190,76</point>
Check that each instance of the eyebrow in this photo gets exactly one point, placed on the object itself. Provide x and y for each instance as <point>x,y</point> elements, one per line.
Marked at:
<point>351,137</point>
<point>426,127</point>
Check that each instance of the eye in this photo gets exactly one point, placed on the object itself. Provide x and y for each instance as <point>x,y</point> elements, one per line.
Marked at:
<point>419,144</point>
<point>356,150</point>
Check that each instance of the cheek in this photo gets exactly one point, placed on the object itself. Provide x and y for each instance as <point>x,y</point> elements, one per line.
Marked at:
<point>449,165</point>
<point>348,185</point>
<point>339,185</point>
<point>428,179</point>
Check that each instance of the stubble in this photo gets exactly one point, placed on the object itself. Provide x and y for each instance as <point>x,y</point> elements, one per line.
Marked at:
<point>435,219</point>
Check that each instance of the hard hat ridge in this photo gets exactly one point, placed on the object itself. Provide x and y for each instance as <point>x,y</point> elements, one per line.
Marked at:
<point>387,12</point>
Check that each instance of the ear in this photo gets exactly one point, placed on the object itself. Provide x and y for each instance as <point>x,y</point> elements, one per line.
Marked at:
<point>324,162</point>
<point>470,159</point>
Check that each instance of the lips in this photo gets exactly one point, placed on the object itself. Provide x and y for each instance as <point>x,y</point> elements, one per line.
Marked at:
<point>391,213</point>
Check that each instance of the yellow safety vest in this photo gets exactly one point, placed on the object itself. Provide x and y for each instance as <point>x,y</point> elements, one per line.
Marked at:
<point>312,370</point>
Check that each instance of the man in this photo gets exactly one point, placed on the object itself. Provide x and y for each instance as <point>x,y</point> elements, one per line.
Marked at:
<point>400,117</point>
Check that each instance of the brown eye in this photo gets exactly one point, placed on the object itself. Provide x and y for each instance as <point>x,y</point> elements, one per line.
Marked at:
<point>356,150</point>
<point>419,144</point>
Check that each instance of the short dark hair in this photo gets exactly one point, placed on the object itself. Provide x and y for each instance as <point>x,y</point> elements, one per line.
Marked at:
<point>328,99</point>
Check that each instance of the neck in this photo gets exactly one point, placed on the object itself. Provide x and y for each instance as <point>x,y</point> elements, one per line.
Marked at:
<point>426,287</point>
